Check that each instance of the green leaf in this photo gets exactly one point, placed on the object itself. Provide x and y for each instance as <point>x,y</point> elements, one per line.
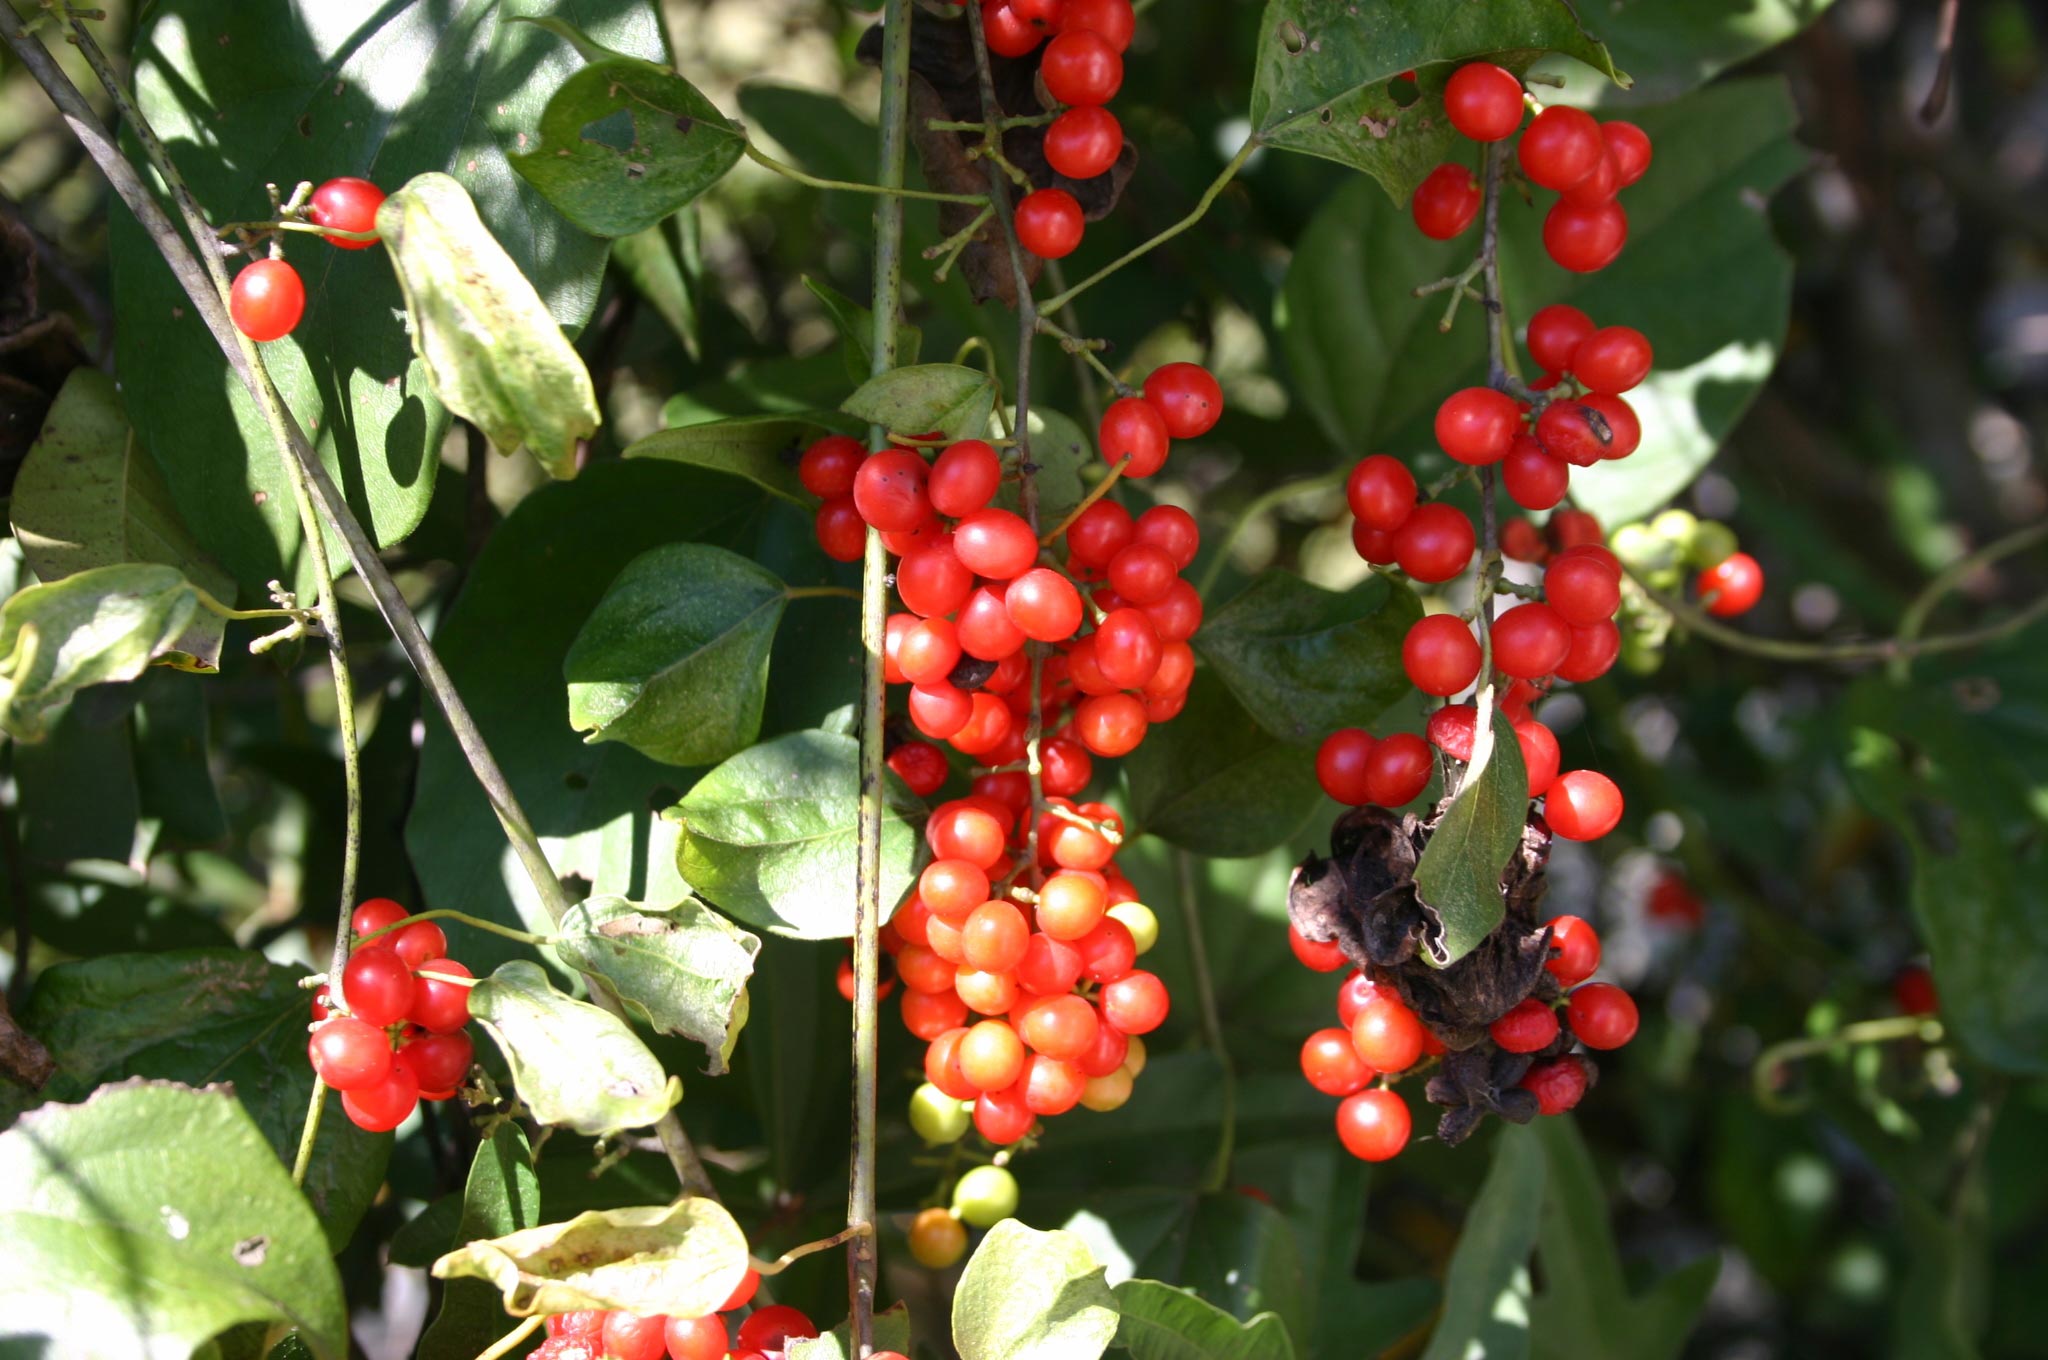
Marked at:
<point>572,1063</point>
<point>1370,363</point>
<point>1213,780</point>
<point>502,1197</point>
<point>926,398</point>
<point>1585,1309</point>
<point>99,626</point>
<point>1306,661</point>
<point>1458,878</point>
<point>770,835</point>
<point>665,266</point>
<point>171,743</point>
<point>490,349</point>
<point>685,1258</point>
<point>76,791</point>
<point>1031,1295</point>
<point>1160,1322</point>
<point>1059,450</point>
<point>150,1219</point>
<point>856,326</point>
<point>682,970</point>
<point>200,1016</point>
<point>1674,47</point>
<point>1327,71</point>
<point>245,95</point>
<point>762,449</point>
<point>674,659</point>
<point>1486,1292</point>
<point>87,496</point>
<point>624,143</point>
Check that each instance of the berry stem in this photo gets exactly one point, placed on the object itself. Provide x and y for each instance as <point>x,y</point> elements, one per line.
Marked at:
<point>1095,493</point>
<point>1262,505</point>
<point>820,593</point>
<point>1765,1072</point>
<point>795,1254</point>
<point>1914,620</point>
<point>286,224</point>
<point>474,922</point>
<point>1218,1177</point>
<point>511,1341</point>
<point>886,189</point>
<point>1085,351</point>
<point>309,1133</point>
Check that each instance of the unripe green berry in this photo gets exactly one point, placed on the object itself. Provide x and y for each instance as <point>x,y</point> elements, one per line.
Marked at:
<point>937,1117</point>
<point>1139,920</point>
<point>985,1196</point>
<point>1712,544</point>
<point>1675,527</point>
<point>1641,549</point>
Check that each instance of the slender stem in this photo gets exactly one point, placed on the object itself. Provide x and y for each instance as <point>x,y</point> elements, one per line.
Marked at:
<point>473,922</point>
<point>795,1254</point>
<point>820,593</point>
<point>787,171</point>
<point>510,1342</point>
<point>1201,208</point>
<point>1914,621</point>
<point>286,224</point>
<point>862,1267</point>
<point>1211,1021</point>
<point>309,1132</point>
<point>1261,505</point>
<point>1095,493</point>
<point>1763,1074</point>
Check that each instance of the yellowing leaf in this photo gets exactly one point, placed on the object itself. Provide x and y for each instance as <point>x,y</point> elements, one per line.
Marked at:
<point>681,1259</point>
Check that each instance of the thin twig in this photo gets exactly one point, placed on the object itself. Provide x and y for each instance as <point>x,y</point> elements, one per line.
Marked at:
<point>1211,1021</point>
<point>1944,61</point>
<point>1095,493</point>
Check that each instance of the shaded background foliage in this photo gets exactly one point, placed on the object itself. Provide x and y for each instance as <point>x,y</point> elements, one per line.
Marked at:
<point>1833,826</point>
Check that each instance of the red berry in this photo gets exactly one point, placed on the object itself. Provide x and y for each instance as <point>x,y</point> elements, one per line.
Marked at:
<point>349,1054</point>
<point>584,1324</point>
<point>1043,13</point>
<point>1187,397</point>
<point>1332,1065</point>
<point>1373,1125</point>
<point>1142,573</point>
<point>1114,20</point>
<point>378,913</point>
<point>1070,905</point>
<point>1007,33</point>
<point>842,533</point>
<point>1527,1028</point>
<point>1051,1086</point>
<point>377,985</point>
<point>1624,430</point>
<point>1534,480</point>
<point>1672,899</point>
<point>1602,1015</point>
<point>1582,589</point>
<point>1530,640</point>
<point>1132,427</point>
<point>1110,724</point>
<point>1387,1035</point>
<point>267,300</point>
<point>1734,585</point>
<point>1341,764</point>
<point>696,1338</point>
<point>1049,223</point>
<point>1108,952</point>
<point>1912,991</point>
<point>1178,614</point>
<point>1560,147</point>
<point>1044,605</point>
<point>930,1014</point>
<point>1398,769</point>
<point>1554,335</point>
<point>1171,529</point>
<point>1583,805</point>
<point>1597,187</point>
<point>1629,145</point>
<point>920,765</point>
<point>438,1062</point>
<point>1083,142</point>
<point>1477,424</point>
<point>383,1105</point>
<point>940,710</point>
<point>1446,202</point>
<point>1374,545</point>
<point>1321,956</point>
<point>437,1006</point>
<point>963,830</point>
<point>1060,1027</point>
<point>964,478</point>
<point>1483,101</point>
<point>1558,1084</point>
<point>1435,542</point>
<point>889,490</point>
<point>1081,67</point>
<point>347,204</point>
<point>1127,647</point>
<point>631,1337</point>
<point>1003,1116</point>
<point>1381,492</point>
<point>1565,430</point>
<point>1572,529</point>
<point>1539,754</point>
<point>1051,966</point>
<point>1584,237</point>
<point>1099,533</point>
<point>1440,654</point>
<point>772,1328</point>
<point>1577,947</point>
<point>996,544</point>
<point>1135,1003</point>
<point>1520,540</point>
<point>1612,359</point>
<point>1451,729</point>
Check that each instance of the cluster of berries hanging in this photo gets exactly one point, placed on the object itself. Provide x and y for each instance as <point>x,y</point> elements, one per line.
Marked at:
<point>396,1036</point>
<point>1081,68</point>
<point>268,297</point>
<point>1587,162</point>
<point>764,1334</point>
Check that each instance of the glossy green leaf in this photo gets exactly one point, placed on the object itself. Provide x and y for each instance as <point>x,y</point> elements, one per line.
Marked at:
<point>501,1197</point>
<point>674,659</point>
<point>200,1016</point>
<point>1159,1322</point>
<point>946,399</point>
<point>1675,46</point>
<point>148,1220</point>
<point>770,835</point>
<point>1326,69</point>
<point>685,1258</point>
<point>1368,359</point>
<point>624,143</point>
<point>682,970</point>
<point>1031,1295</point>
<point>245,95</point>
<point>856,326</point>
<point>88,496</point>
<point>762,449</point>
<point>491,350</point>
<point>573,1064</point>
<point>1060,450</point>
<point>1486,1292</point>
<point>99,626</point>
<point>1306,661</point>
<point>1458,877</point>
<point>1215,781</point>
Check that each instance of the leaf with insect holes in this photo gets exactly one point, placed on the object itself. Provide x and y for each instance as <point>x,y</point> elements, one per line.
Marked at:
<point>947,399</point>
<point>1331,78</point>
<point>1458,877</point>
<point>685,1259</point>
<point>682,969</point>
<point>572,1064</point>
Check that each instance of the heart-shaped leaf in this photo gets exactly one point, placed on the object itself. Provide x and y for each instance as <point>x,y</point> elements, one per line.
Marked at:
<point>681,969</point>
<point>1458,876</point>
<point>92,628</point>
<point>946,399</point>
<point>573,1064</point>
<point>1031,1295</point>
<point>682,1259</point>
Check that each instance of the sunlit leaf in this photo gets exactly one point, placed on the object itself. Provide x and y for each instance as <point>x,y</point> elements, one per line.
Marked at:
<point>681,969</point>
<point>572,1064</point>
<point>683,1259</point>
<point>1031,1295</point>
<point>1458,877</point>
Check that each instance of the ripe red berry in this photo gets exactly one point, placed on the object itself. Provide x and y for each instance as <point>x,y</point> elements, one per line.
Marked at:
<point>1380,491</point>
<point>1912,992</point>
<point>267,300</point>
<point>1534,480</point>
<point>1477,424</point>
<point>583,1324</point>
<point>1127,647</point>
<point>1049,223</point>
<point>996,544</point>
<point>696,1338</point>
<point>1083,142</point>
<point>1321,956</point>
<point>1133,427</point>
<point>1584,237</point>
<point>1583,805</point>
<point>1081,67</point>
<point>1435,542</point>
<point>828,466</point>
<point>1172,529</point>
<point>1341,764</point>
<point>1187,397</point>
<point>1114,20</point>
<point>1484,102</point>
<point>1373,1125</point>
<point>1734,584</point>
<point>1007,33</point>
<point>964,478</point>
<point>1554,335</point>
<point>842,533</point>
<point>628,1336</point>
<point>1002,1116</point>
<point>438,1062</point>
<point>1099,533</point>
<point>772,1328</point>
<point>1387,1035</point>
<point>383,1105</point>
<point>1178,614</point>
<point>437,1006</point>
<point>1539,754</point>
<point>1558,1084</point>
<point>1577,947</point>
<point>1612,359</point>
<point>1572,529</point>
<point>1332,1065</point>
<point>889,490</point>
<point>1440,654</point>
<point>1601,1015</point>
<point>1044,604</point>
<point>1624,430</point>
<point>1110,724</point>
<point>1582,589</point>
<point>1567,431</point>
<point>377,985</point>
<point>347,204</point>
<point>1108,952</point>
<point>1451,730</point>
<point>375,914</point>
<point>1530,640</point>
<point>1560,147</point>
<point>1527,1027</point>
<point>1446,202</point>
<point>1135,1003</point>
<point>349,1054</point>
<point>1522,541</point>
<point>994,936</point>
<point>1629,145</point>
<point>1142,573</point>
<point>1398,769</point>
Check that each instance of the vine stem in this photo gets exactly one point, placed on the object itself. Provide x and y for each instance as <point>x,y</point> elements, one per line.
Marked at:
<point>862,1267</point>
<point>1095,493</point>
<point>1266,501</point>
<point>1498,352</point>
<point>206,286</point>
<point>891,190</point>
<point>1763,1074</point>
<point>474,922</point>
<point>1212,1022</point>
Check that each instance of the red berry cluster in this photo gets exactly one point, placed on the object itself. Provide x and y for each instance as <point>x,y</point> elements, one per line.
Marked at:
<point>397,1037</point>
<point>1054,979</point>
<point>268,297</point>
<point>1082,68</point>
<point>764,1334</point>
<point>1378,1038</point>
<point>1585,161</point>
